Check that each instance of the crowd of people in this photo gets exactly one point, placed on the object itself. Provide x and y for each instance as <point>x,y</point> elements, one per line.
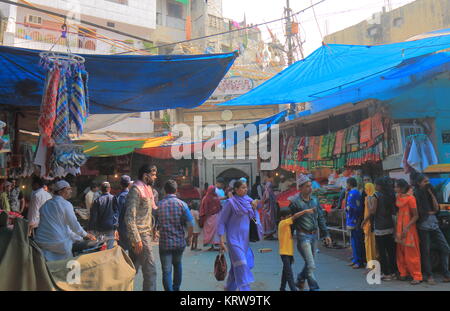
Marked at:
<point>390,221</point>
<point>395,223</point>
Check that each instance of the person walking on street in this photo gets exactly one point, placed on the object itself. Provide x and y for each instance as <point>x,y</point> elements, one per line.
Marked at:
<point>57,225</point>
<point>306,228</point>
<point>408,250</point>
<point>173,215</point>
<point>268,209</point>
<point>234,226</point>
<point>16,198</point>
<point>104,216</point>
<point>91,195</point>
<point>120,203</point>
<point>429,231</point>
<point>286,246</point>
<point>209,213</point>
<point>354,209</point>
<point>138,217</point>
<point>197,230</point>
<point>38,197</point>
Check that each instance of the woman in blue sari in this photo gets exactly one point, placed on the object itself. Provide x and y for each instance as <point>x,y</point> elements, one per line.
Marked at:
<point>234,223</point>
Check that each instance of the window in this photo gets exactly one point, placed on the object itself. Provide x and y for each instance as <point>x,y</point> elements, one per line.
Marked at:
<point>111,24</point>
<point>174,9</point>
<point>33,19</point>
<point>398,22</point>
<point>372,31</point>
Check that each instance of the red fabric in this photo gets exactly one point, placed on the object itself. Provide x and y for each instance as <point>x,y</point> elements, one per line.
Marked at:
<point>377,125</point>
<point>210,203</point>
<point>189,193</point>
<point>301,149</point>
<point>365,131</point>
<point>340,135</point>
<point>48,108</point>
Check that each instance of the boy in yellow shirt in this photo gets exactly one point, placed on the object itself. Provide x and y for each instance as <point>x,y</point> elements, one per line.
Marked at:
<point>287,246</point>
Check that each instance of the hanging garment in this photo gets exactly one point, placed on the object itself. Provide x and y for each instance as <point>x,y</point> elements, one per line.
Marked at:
<point>78,112</point>
<point>61,127</point>
<point>48,107</point>
<point>323,146</point>
<point>301,149</point>
<point>377,125</point>
<point>428,154</point>
<point>414,157</point>
<point>353,135</point>
<point>316,148</point>
<point>366,131</point>
<point>340,136</point>
<point>331,143</point>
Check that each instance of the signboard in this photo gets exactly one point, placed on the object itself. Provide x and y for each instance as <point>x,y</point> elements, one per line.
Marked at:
<point>234,86</point>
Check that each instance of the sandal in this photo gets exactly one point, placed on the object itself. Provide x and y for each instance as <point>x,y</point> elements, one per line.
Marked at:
<point>415,282</point>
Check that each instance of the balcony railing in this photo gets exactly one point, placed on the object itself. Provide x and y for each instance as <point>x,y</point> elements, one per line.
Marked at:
<point>54,37</point>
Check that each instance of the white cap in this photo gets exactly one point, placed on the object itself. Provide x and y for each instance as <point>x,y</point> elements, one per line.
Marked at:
<point>61,185</point>
<point>2,124</point>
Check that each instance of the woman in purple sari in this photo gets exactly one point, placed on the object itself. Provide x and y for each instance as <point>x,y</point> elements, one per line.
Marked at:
<point>268,211</point>
<point>234,223</point>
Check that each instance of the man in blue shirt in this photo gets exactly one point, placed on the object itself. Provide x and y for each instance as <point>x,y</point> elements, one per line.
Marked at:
<point>104,216</point>
<point>119,201</point>
<point>354,209</point>
<point>173,215</point>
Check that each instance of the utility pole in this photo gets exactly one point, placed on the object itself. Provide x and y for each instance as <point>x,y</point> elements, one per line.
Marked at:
<point>288,13</point>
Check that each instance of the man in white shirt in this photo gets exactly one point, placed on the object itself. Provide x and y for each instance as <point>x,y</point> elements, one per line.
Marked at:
<point>38,197</point>
<point>57,222</point>
<point>91,195</point>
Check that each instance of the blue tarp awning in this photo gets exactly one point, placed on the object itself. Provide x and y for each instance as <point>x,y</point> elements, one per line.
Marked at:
<point>336,67</point>
<point>120,84</point>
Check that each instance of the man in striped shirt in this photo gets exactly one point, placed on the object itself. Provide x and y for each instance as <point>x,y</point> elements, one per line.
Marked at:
<point>173,216</point>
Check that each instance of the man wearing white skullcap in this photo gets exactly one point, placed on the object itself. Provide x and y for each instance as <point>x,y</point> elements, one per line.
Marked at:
<point>57,225</point>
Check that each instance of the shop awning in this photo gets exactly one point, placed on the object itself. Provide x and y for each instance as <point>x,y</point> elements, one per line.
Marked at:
<point>336,67</point>
<point>120,83</point>
<point>120,147</point>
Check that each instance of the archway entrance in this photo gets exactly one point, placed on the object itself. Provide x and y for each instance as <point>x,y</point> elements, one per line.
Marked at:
<point>233,173</point>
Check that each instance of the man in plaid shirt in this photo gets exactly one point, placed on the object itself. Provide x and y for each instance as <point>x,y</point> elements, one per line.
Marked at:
<point>173,216</point>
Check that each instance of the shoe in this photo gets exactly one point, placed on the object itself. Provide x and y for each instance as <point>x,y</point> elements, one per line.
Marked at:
<point>387,278</point>
<point>446,280</point>
<point>357,266</point>
<point>300,285</point>
<point>431,281</point>
<point>415,282</point>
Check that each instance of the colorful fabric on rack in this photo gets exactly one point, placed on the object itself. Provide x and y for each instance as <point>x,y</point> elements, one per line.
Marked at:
<point>353,135</point>
<point>61,127</point>
<point>315,143</point>
<point>340,138</point>
<point>48,107</point>
<point>78,112</point>
<point>323,147</point>
<point>366,131</point>
<point>377,125</point>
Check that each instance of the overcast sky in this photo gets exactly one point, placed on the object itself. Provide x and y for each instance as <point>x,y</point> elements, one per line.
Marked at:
<point>337,14</point>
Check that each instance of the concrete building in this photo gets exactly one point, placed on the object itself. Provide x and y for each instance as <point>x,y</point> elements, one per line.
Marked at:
<point>398,25</point>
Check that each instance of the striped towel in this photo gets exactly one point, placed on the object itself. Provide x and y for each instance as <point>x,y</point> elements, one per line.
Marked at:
<point>61,127</point>
<point>48,107</point>
<point>78,109</point>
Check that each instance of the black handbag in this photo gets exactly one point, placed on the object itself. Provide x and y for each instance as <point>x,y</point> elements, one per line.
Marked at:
<point>253,232</point>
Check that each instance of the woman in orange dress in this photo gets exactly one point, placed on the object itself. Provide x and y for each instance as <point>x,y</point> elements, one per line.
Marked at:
<point>406,236</point>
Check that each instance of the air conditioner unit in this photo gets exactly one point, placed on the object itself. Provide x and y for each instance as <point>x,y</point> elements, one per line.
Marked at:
<point>399,133</point>
<point>33,19</point>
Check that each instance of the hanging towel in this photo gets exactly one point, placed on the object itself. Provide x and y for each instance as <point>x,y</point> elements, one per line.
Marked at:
<point>48,107</point>
<point>377,125</point>
<point>340,136</point>
<point>301,149</point>
<point>323,147</point>
<point>331,143</point>
<point>428,154</point>
<point>366,131</point>
<point>61,127</point>
<point>353,136</point>
<point>78,113</point>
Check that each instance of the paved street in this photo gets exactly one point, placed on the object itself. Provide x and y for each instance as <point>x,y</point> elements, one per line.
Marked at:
<point>333,273</point>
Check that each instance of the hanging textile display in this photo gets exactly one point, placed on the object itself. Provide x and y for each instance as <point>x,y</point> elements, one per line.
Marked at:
<point>301,149</point>
<point>366,131</point>
<point>419,153</point>
<point>340,137</point>
<point>377,125</point>
<point>65,102</point>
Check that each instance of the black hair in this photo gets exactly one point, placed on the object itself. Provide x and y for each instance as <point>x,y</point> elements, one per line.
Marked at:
<point>403,185</point>
<point>38,181</point>
<point>206,185</point>
<point>237,184</point>
<point>284,212</point>
<point>170,187</point>
<point>105,186</point>
<point>124,183</point>
<point>93,185</point>
<point>352,182</point>
<point>146,168</point>
<point>194,205</point>
<point>220,180</point>
<point>417,178</point>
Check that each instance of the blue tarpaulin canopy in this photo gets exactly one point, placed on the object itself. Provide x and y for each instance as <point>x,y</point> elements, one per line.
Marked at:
<point>336,68</point>
<point>120,83</point>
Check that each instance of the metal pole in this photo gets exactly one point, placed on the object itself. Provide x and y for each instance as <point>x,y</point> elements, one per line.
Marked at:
<point>289,33</point>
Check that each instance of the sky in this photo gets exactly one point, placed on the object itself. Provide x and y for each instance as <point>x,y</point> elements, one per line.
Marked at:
<point>332,15</point>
